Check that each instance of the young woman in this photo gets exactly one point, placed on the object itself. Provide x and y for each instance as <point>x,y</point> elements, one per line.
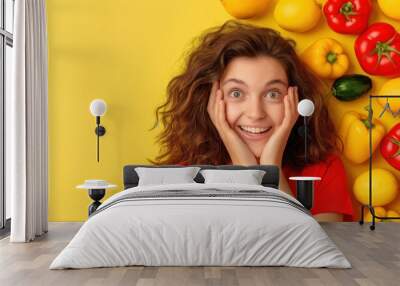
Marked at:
<point>236,103</point>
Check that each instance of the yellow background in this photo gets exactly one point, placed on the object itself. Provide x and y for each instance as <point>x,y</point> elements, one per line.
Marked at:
<point>125,52</point>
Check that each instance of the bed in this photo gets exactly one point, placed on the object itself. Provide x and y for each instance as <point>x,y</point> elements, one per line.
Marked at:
<point>201,223</point>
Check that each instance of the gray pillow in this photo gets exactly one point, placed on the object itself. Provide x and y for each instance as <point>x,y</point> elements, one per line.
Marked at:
<point>162,176</point>
<point>248,177</point>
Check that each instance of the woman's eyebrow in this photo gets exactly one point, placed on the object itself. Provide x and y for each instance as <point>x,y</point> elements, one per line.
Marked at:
<point>234,80</point>
<point>274,81</point>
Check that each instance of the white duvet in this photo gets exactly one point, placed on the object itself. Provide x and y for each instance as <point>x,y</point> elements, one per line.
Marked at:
<point>183,231</point>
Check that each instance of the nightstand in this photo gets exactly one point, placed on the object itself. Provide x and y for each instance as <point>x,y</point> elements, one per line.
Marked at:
<point>97,190</point>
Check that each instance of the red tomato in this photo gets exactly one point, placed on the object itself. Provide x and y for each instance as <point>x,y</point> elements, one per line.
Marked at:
<point>390,146</point>
<point>378,50</point>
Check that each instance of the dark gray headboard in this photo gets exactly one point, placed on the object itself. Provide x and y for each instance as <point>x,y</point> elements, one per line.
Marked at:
<point>270,179</point>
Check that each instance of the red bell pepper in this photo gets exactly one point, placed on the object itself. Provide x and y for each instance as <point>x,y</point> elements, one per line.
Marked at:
<point>348,16</point>
<point>378,50</point>
<point>390,146</point>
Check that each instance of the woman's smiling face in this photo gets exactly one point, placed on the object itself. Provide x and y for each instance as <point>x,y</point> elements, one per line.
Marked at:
<point>253,90</point>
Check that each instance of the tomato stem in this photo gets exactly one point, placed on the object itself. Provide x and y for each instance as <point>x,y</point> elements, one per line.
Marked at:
<point>397,143</point>
<point>384,49</point>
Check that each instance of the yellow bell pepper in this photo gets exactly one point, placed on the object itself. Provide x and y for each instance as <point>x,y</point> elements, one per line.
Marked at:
<point>326,58</point>
<point>354,132</point>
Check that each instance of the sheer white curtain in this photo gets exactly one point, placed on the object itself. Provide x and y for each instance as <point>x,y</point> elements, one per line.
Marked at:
<point>26,119</point>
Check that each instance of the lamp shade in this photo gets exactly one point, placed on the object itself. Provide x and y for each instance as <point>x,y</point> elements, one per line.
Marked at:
<point>305,107</point>
<point>98,107</point>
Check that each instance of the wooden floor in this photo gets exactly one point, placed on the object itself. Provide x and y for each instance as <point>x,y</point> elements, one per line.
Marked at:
<point>374,255</point>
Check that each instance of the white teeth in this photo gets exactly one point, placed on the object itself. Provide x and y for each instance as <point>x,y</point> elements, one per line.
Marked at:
<point>253,129</point>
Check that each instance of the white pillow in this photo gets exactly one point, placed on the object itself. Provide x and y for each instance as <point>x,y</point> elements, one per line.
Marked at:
<point>162,176</point>
<point>248,177</point>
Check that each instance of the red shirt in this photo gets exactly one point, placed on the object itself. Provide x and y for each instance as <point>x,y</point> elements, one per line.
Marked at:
<point>331,194</point>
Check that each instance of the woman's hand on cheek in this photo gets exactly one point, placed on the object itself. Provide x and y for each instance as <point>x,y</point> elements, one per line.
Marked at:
<point>275,146</point>
<point>216,110</point>
<point>238,150</point>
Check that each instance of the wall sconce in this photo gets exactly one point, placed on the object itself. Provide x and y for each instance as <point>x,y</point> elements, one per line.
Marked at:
<point>305,109</point>
<point>98,107</point>
<point>305,185</point>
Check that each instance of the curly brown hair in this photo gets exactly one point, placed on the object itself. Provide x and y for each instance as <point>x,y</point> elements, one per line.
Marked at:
<point>190,137</point>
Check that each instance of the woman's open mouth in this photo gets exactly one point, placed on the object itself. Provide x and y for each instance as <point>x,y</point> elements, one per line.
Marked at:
<point>254,132</point>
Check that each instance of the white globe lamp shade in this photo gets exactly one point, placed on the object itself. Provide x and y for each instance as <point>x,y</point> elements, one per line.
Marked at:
<point>305,107</point>
<point>98,107</point>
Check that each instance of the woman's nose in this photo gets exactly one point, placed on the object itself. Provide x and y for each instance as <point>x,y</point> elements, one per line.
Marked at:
<point>255,108</point>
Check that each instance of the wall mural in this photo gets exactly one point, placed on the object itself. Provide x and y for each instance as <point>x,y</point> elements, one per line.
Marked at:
<point>134,55</point>
<point>207,109</point>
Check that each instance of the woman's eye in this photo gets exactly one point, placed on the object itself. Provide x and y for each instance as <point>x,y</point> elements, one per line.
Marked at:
<point>236,93</point>
<point>273,95</point>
